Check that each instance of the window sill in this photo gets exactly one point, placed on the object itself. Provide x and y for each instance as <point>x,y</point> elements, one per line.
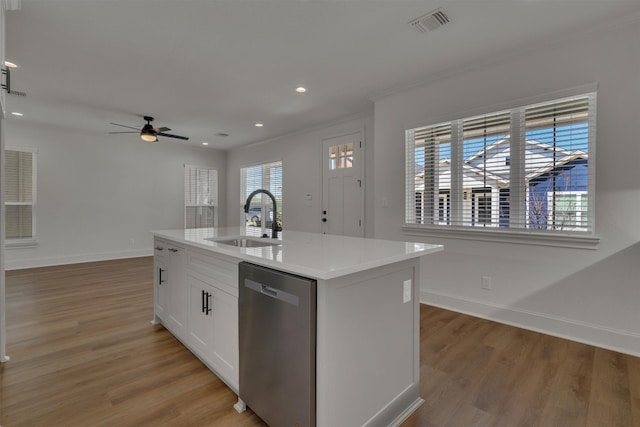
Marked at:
<point>494,235</point>
<point>22,243</point>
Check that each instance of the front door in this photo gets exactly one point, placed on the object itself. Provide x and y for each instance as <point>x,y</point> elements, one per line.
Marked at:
<point>342,190</point>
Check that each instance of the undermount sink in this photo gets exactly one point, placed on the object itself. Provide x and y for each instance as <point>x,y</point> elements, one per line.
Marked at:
<point>247,243</point>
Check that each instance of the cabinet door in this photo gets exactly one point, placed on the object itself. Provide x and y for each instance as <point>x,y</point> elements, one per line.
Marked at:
<point>177,295</point>
<point>160,286</point>
<point>200,316</point>
<point>225,336</point>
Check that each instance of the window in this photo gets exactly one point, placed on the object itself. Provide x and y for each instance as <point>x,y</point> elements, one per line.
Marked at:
<point>527,168</point>
<point>268,177</point>
<point>341,156</point>
<point>20,196</point>
<point>200,197</point>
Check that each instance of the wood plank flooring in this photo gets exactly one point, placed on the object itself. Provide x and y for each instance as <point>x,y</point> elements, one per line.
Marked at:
<point>83,353</point>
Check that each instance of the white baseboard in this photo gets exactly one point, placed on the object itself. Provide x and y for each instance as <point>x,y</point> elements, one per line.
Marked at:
<point>75,259</point>
<point>597,335</point>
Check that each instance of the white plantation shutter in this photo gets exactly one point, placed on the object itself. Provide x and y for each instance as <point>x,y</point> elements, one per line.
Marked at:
<point>20,194</point>
<point>557,162</point>
<point>486,168</point>
<point>266,176</point>
<point>428,201</point>
<point>528,168</point>
<point>200,196</point>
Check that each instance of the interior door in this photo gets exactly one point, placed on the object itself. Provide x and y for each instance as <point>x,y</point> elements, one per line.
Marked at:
<point>342,189</point>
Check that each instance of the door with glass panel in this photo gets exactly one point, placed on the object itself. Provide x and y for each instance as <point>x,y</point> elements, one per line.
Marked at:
<point>342,189</point>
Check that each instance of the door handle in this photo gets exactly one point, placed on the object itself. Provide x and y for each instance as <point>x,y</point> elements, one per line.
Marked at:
<point>208,303</point>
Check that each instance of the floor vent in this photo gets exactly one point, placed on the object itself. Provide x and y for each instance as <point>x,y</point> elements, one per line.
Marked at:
<point>430,21</point>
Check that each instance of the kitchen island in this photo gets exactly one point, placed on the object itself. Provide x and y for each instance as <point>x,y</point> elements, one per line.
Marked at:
<point>367,314</point>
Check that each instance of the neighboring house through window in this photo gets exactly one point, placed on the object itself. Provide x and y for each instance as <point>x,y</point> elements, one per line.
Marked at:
<point>200,197</point>
<point>20,196</point>
<point>268,177</point>
<point>529,167</point>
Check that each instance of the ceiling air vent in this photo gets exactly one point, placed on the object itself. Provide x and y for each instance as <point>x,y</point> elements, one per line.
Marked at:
<point>430,21</point>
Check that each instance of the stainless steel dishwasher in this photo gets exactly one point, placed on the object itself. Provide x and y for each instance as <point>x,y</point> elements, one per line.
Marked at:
<point>277,317</point>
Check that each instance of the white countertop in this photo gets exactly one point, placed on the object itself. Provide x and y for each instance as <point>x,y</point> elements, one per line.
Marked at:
<point>319,256</point>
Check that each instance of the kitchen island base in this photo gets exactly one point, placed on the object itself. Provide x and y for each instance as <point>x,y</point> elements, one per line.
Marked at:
<point>367,316</point>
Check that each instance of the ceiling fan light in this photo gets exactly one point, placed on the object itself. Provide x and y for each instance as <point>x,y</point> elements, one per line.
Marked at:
<point>148,135</point>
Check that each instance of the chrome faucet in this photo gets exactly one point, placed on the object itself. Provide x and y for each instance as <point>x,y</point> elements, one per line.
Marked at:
<point>274,224</point>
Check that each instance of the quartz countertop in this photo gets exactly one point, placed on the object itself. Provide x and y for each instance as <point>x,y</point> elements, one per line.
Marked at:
<point>314,255</point>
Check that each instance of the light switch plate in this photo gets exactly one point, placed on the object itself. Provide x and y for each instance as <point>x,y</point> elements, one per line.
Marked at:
<point>406,295</point>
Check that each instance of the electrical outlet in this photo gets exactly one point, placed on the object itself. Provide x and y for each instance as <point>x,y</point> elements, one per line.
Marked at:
<point>486,283</point>
<point>406,294</point>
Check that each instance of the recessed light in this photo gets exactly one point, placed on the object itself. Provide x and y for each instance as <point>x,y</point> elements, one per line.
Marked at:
<point>301,89</point>
<point>10,64</point>
<point>205,143</point>
<point>16,113</point>
<point>259,125</point>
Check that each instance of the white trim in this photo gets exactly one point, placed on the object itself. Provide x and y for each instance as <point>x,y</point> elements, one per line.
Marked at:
<point>504,235</point>
<point>20,243</point>
<point>588,333</point>
<point>516,109</point>
<point>524,102</point>
<point>75,259</point>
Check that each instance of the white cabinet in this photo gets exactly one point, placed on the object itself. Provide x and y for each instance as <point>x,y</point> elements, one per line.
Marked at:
<point>200,318</point>
<point>225,336</point>
<point>2,58</point>
<point>169,286</point>
<point>213,327</point>
<point>159,280</point>
<point>176,302</point>
<point>196,298</point>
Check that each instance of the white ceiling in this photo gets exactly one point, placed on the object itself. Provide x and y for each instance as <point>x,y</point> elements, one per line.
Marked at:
<point>205,67</point>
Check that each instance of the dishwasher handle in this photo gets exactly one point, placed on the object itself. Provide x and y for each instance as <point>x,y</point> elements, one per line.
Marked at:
<point>271,292</point>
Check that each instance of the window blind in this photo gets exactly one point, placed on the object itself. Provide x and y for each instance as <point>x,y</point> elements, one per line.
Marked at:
<point>557,165</point>
<point>525,168</point>
<point>19,178</point>
<point>201,196</point>
<point>485,169</point>
<point>266,176</point>
<point>430,158</point>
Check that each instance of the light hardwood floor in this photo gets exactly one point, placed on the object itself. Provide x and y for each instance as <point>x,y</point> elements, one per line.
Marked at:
<point>83,353</point>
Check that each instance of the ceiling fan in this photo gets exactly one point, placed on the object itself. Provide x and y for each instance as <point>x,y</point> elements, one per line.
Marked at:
<point>148,133</point>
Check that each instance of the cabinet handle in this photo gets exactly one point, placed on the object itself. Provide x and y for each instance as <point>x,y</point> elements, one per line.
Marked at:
<point>204,299</point>
<point>208,303</point>
<point>160,281</point>
<point>159,248</point>
<point>173,249</point>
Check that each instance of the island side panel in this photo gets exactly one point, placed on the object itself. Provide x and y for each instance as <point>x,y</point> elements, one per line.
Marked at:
<point>367,365</point>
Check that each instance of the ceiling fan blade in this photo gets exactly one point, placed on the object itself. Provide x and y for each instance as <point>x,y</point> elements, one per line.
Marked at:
<point>124,132</point>
<point>168,135</point>
<point>162,129</point>
<point>124,126</point>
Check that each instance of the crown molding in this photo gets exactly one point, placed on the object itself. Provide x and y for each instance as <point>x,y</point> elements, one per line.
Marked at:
<point>581,33</point>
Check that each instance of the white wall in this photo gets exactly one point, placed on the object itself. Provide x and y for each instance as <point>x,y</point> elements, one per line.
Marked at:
<point>588,295</point>
<point>95,193</point>
<point>301,156</point>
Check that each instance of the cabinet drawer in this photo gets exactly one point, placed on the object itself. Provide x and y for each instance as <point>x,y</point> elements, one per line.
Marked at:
<point>160,247</point>
<point>221,271</point>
